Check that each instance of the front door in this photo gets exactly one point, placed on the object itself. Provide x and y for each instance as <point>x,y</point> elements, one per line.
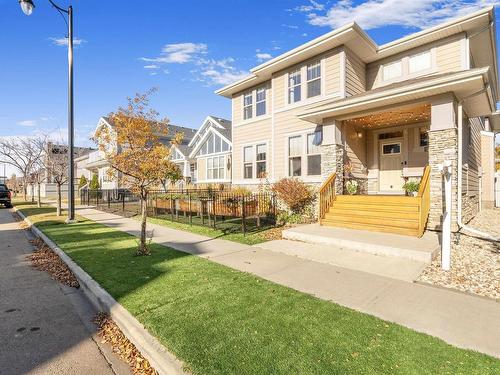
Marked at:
<point>391,166</point>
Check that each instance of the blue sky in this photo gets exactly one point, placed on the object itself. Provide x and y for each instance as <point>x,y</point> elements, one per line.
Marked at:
<point>186,49</point>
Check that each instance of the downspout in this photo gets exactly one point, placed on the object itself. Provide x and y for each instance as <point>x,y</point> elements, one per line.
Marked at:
<point>462,227</point>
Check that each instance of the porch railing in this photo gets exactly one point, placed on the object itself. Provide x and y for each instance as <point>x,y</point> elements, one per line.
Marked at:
<point>424,195</point>
<point>326,195</point>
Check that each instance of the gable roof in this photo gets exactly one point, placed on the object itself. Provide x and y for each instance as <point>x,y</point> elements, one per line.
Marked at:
<point>220,125</point>
<point>357,40</point>
<point>189,133</point>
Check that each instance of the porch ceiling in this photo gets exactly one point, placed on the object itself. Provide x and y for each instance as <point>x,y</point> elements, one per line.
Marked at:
<point>397,116</point>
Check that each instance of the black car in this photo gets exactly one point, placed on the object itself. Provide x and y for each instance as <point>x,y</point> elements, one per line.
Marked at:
<point>5,196</point>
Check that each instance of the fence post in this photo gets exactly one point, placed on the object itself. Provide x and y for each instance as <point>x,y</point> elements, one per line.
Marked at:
<point>190,212</point>
<point>214,205</point>
<point>171,208</point>
<point>258,209</point>
<point>123,201</point>
<point>243,223</point>
<point>97,198</point>
<point>109,203</point>
<point>156,205</point>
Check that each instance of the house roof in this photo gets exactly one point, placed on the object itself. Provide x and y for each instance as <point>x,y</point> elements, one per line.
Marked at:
<point>189,133</point>
<point>357,40</point>
<point>463,84</point>
<point>221,125</point>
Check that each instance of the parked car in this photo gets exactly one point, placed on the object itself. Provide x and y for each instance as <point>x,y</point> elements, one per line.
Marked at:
<point>5,196</point>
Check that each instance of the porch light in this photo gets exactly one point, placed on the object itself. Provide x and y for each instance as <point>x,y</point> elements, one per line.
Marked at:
<point>27,6</point>
<point>359,134</point>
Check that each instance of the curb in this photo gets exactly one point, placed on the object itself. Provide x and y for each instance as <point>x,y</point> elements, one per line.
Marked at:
<point>160,358</point>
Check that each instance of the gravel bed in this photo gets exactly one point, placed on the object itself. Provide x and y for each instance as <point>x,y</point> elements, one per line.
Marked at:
<point>475,263</point>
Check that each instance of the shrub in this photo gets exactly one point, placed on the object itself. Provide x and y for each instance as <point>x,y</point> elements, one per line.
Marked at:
<point>240,190</point>
<point>83,181</point>
<point>351,187</point>
<point>411,186</point>
<point>94,183</point>
<point>294,193</point>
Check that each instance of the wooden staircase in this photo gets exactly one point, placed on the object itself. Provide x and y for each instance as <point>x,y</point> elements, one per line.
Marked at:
<point>380,213</point>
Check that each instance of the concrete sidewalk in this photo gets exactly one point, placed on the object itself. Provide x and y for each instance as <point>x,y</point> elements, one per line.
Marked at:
<point>45,327</point>
<point>462,320</point>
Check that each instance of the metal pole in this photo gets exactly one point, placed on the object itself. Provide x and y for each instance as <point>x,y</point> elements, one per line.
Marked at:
<point>71,177</point>
<point>446,229</point>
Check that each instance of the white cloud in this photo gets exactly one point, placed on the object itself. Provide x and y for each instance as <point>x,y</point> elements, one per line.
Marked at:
<point>64,41</point>
<point>289,26</point>
<point>179,53</point>
<point>151,66</point>
<point>313,5</point>
<point>373,14</point>
<point>263,56</point>
<point>206,69</point>
<point>28,123</point>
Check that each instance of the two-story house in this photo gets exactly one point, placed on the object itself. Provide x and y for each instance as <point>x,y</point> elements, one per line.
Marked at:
<point>342,107</point>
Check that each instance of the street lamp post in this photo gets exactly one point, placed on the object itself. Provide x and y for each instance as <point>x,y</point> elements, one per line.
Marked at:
<point>27,7</point>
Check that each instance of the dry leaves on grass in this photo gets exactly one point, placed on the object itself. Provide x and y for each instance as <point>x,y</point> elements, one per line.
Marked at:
<point>44,259</point>
<point>111,334</point>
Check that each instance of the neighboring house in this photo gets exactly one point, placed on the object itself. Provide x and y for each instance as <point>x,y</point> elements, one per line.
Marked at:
<point>97,163</point>
<point>341,104</point>
<point>210,152</point>
<point>55,154</point>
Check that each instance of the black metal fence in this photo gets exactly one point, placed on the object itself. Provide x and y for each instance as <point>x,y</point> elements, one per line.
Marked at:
<point>227,211</point>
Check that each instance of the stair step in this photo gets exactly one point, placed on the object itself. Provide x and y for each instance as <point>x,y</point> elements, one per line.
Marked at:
<point>372,227</point>
<point>389,199</point>
<point>378,213</point>
<point>411,223</point>
<point>374,207</point>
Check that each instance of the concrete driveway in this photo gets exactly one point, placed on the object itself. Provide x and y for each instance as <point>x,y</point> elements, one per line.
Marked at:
<point>45,327</point>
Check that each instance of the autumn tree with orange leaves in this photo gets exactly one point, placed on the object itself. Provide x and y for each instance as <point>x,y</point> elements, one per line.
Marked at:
<point>142,161</point>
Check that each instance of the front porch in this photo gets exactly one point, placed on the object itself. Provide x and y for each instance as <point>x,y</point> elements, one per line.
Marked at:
<point>385,156</point>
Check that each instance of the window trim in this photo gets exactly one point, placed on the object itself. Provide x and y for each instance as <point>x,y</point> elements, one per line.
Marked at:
<point>382,144</point>
<point>254,162</point>
<point>261,101</point>
<point>304,175</point>
<point>314,63</point>
<point>303,94</point>
<point>405,67</point>
<point>218,168</point>
<point>245,106</point>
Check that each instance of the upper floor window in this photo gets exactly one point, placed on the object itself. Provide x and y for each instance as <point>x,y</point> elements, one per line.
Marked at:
<point>247,106</point>
<point>392,70</point>
<point>294,86</point>
<point>314,79</point>
<point>260,101</point>
<point>176,155</point>
<point>419,62</point>
<point>213,145</point>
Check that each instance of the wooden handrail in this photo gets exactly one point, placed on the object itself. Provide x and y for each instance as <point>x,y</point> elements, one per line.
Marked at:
<point>326,195</point>
<point>424,194</point>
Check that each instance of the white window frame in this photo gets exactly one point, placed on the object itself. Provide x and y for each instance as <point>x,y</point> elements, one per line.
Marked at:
<point>382,144</point>
<point>419,71</point>
<point>303,92</point>
<point>304,156</point>
<point>405,67</point>
<point>254,162</point>
<point>257,101</point>
<point>394,78</point>
<point>299,72</point>
<point>319,78</point>
<point>219,177</point>
<point>312,154</point>
<point>245,106</point>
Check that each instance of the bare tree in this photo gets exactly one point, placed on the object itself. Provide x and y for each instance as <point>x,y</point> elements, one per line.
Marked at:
<point>22,153</point>
<point>57,168</point>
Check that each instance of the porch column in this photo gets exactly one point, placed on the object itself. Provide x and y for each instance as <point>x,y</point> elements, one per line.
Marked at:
<point>332,153</point>
<point>488,166</point>
<point>443,145</point>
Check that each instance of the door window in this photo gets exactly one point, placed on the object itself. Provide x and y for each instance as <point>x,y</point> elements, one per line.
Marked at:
<point>391,149</point>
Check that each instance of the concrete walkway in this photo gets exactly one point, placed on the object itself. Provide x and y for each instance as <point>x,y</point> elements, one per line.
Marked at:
<point>45,327</point>
<point>462,320</point>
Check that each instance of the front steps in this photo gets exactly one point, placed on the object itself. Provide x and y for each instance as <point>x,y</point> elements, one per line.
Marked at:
<point>379,213</point>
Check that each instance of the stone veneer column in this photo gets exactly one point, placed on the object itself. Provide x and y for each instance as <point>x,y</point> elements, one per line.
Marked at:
<point>443,145</point>
<point>332,154</point>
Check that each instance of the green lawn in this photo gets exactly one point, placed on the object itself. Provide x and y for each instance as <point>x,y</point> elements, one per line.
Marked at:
<point>222,321</point>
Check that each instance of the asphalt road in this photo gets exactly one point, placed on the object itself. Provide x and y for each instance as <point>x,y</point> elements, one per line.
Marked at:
<point>45,327</point>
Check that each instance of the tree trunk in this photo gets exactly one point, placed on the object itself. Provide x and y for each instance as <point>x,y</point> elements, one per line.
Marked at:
<point>32,193</point>
<point>25,189</point>
<point>58,200</point>
<point>143,247</point>
<point>39,201</point>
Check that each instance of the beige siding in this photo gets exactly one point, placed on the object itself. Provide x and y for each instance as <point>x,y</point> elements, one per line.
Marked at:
<point>237,103</point>
<point>237,108</point>
<point>488,167</point>
<point>355,151</point>
<point>249,134</point>
<point>471,156</point>
<point>448,58</point>
<point>201,165</point>
<point>332,71</point>
<point>355,74</point>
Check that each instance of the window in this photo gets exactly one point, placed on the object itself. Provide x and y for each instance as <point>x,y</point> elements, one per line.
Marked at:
<point>314,79</point>
<point>392,70</point>
<point>247,106</point>
<point>313,154</point>
<point>294,87</point>
<point>215,168</point>
<point>261,156</point>
<point>391,149</point>
<point>176,155</point>
<point>213,144</point>
<point>295,156</point>
<point>260,102</point>
<point>424,137</point>
<point>397,134</point>
<point>419,62</point>
<point>248,162</point>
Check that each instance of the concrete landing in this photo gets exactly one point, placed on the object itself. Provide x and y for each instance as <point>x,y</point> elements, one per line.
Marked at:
<point>418,249</point>
<point>394,267</point>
